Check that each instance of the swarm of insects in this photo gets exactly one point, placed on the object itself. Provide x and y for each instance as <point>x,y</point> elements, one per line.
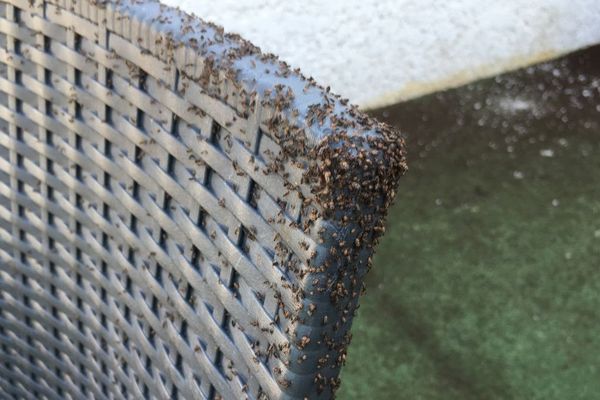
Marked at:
<point>319,178</point>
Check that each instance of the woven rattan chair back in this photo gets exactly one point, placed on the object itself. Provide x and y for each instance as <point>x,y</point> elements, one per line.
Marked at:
<point>181,216</point>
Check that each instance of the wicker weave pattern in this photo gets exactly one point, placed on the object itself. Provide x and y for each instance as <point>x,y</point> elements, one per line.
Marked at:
<point>145,242</point>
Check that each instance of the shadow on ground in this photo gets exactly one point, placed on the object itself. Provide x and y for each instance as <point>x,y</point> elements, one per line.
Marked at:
<point>486,283</point>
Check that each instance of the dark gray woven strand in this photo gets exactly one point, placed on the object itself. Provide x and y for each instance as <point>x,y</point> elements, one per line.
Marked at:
<point>181,216</point>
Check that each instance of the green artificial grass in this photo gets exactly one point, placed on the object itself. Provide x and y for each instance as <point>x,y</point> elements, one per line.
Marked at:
<point>487,282</point>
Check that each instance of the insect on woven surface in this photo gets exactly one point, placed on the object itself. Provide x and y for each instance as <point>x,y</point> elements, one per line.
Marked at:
<point>181,216</point>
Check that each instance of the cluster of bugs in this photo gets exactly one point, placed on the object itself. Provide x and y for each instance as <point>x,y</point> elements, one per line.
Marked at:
<point>351,174</point>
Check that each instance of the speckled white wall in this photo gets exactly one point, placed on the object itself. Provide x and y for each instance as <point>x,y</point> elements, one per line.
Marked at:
<point>380,51</point>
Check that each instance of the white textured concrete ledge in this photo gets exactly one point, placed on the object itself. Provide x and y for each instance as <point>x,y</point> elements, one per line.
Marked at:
<point>377,52</point>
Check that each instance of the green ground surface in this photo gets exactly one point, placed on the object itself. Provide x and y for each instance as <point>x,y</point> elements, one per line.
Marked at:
<point>487,283</point>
